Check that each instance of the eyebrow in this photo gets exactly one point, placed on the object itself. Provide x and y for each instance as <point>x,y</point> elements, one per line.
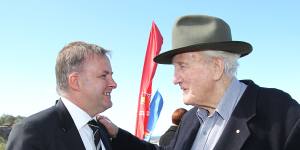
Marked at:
<point>107,72</point>
<point>179,63</point>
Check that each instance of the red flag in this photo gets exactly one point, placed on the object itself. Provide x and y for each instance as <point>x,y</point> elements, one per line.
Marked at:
<point>154,44</point>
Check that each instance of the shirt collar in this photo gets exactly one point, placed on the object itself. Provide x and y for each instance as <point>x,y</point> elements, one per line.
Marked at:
<point>230,99</point>
<point>202,114</point>
<point>79,116</point>
<point>227,102</point>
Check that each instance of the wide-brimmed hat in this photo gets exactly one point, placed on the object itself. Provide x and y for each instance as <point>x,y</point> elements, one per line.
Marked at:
<point>199,33</point>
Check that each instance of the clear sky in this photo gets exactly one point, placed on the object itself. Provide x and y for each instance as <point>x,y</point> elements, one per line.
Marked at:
<point>32,32</point>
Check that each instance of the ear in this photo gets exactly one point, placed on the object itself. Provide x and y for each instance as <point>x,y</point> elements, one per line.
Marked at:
<point>218,68</point>
<point>73,80</point>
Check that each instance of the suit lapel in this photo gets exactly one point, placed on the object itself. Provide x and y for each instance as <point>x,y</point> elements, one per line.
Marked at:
<point>236,131</point>
<point>187,131</point>
<point>68,133</point>
<point>234,135</point>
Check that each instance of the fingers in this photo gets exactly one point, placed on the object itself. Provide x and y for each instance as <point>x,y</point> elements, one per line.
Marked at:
<point>110,127</point>
<point>103,118</point>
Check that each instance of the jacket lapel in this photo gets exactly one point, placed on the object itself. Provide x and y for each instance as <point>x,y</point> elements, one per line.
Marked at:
<point>68,134</point>
<point>236,131</point>
<point>187,131</point>
<point>234,135</point>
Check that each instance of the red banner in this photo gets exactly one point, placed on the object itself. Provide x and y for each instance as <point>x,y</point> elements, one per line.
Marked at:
<point>154,45</point>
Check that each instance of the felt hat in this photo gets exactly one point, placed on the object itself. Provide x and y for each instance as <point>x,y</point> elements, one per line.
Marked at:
<point>199,33</point>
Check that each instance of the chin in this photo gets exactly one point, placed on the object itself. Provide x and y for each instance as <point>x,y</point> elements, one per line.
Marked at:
<point>108,105</point>
<point>187,101</point>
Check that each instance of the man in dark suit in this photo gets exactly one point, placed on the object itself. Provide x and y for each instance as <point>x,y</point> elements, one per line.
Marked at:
<point>84,82</point>
<point>229,114</point>
<point>177,115</point>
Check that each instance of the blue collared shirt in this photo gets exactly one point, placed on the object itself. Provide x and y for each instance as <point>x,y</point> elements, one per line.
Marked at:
<point>212,126</point>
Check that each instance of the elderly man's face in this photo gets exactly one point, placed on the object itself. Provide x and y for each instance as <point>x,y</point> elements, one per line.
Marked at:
<point>194,74</point>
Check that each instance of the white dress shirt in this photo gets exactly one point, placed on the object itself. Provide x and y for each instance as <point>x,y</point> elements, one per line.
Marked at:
<point>81,118</point>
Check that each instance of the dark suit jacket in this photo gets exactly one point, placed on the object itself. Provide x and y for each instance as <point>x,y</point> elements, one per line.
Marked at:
<point>268,119</point>
<point>51,129</point>
<point>166,138</point>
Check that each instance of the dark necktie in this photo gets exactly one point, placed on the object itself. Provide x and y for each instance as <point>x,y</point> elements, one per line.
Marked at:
<point>96,131</point>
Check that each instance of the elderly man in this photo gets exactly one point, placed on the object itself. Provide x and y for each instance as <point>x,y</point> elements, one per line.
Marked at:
<point>84,82</point>
<point>229,114</point>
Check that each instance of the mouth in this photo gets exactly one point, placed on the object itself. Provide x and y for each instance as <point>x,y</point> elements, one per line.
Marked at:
<point>107,93</point>
<point>183,89</point>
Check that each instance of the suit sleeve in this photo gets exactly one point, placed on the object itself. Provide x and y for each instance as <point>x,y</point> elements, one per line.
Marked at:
<point>24,137</point>
<point>125,140</point>
<point>292,142</point>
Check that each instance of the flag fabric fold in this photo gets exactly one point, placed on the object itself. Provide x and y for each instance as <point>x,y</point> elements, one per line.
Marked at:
<point>156,105</point>
<point>153,48</point>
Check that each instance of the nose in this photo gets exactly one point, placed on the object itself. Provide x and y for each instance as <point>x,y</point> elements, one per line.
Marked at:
<point>113,84</point>
<point>177,79</point>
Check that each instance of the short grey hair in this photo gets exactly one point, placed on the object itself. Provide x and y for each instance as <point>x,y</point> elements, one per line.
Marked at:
<point>230,60</point>
<point>71,59</point>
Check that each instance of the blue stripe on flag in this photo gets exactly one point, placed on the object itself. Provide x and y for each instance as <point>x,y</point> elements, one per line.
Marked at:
<point>155,109</point>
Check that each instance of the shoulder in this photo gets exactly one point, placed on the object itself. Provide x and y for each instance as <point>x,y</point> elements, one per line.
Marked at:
<point>38,121</point>
<point>271,103</point>
<point>269,95</point>
<point>32,130</point>
<point>274,110</point>
<point>173,128</point>
<point>42,117</point>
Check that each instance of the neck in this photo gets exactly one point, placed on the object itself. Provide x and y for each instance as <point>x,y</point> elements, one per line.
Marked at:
<point>219,91</point>
<point>78,101</point>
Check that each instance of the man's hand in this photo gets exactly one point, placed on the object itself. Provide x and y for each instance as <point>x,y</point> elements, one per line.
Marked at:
<point>110,127</point>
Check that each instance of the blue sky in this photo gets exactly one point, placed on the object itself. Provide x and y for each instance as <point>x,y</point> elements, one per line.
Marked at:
<point>32,32</point>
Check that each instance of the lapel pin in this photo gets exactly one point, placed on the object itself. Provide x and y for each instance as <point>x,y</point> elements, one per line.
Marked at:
<point>64,129</point>
<point>237,131</point>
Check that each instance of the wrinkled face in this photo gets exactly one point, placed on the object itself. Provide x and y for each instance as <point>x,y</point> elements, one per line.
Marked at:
<point>194,74</point>
<point>96,84</point>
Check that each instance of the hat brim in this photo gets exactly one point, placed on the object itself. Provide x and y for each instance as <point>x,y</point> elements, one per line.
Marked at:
<point>237,47</point>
